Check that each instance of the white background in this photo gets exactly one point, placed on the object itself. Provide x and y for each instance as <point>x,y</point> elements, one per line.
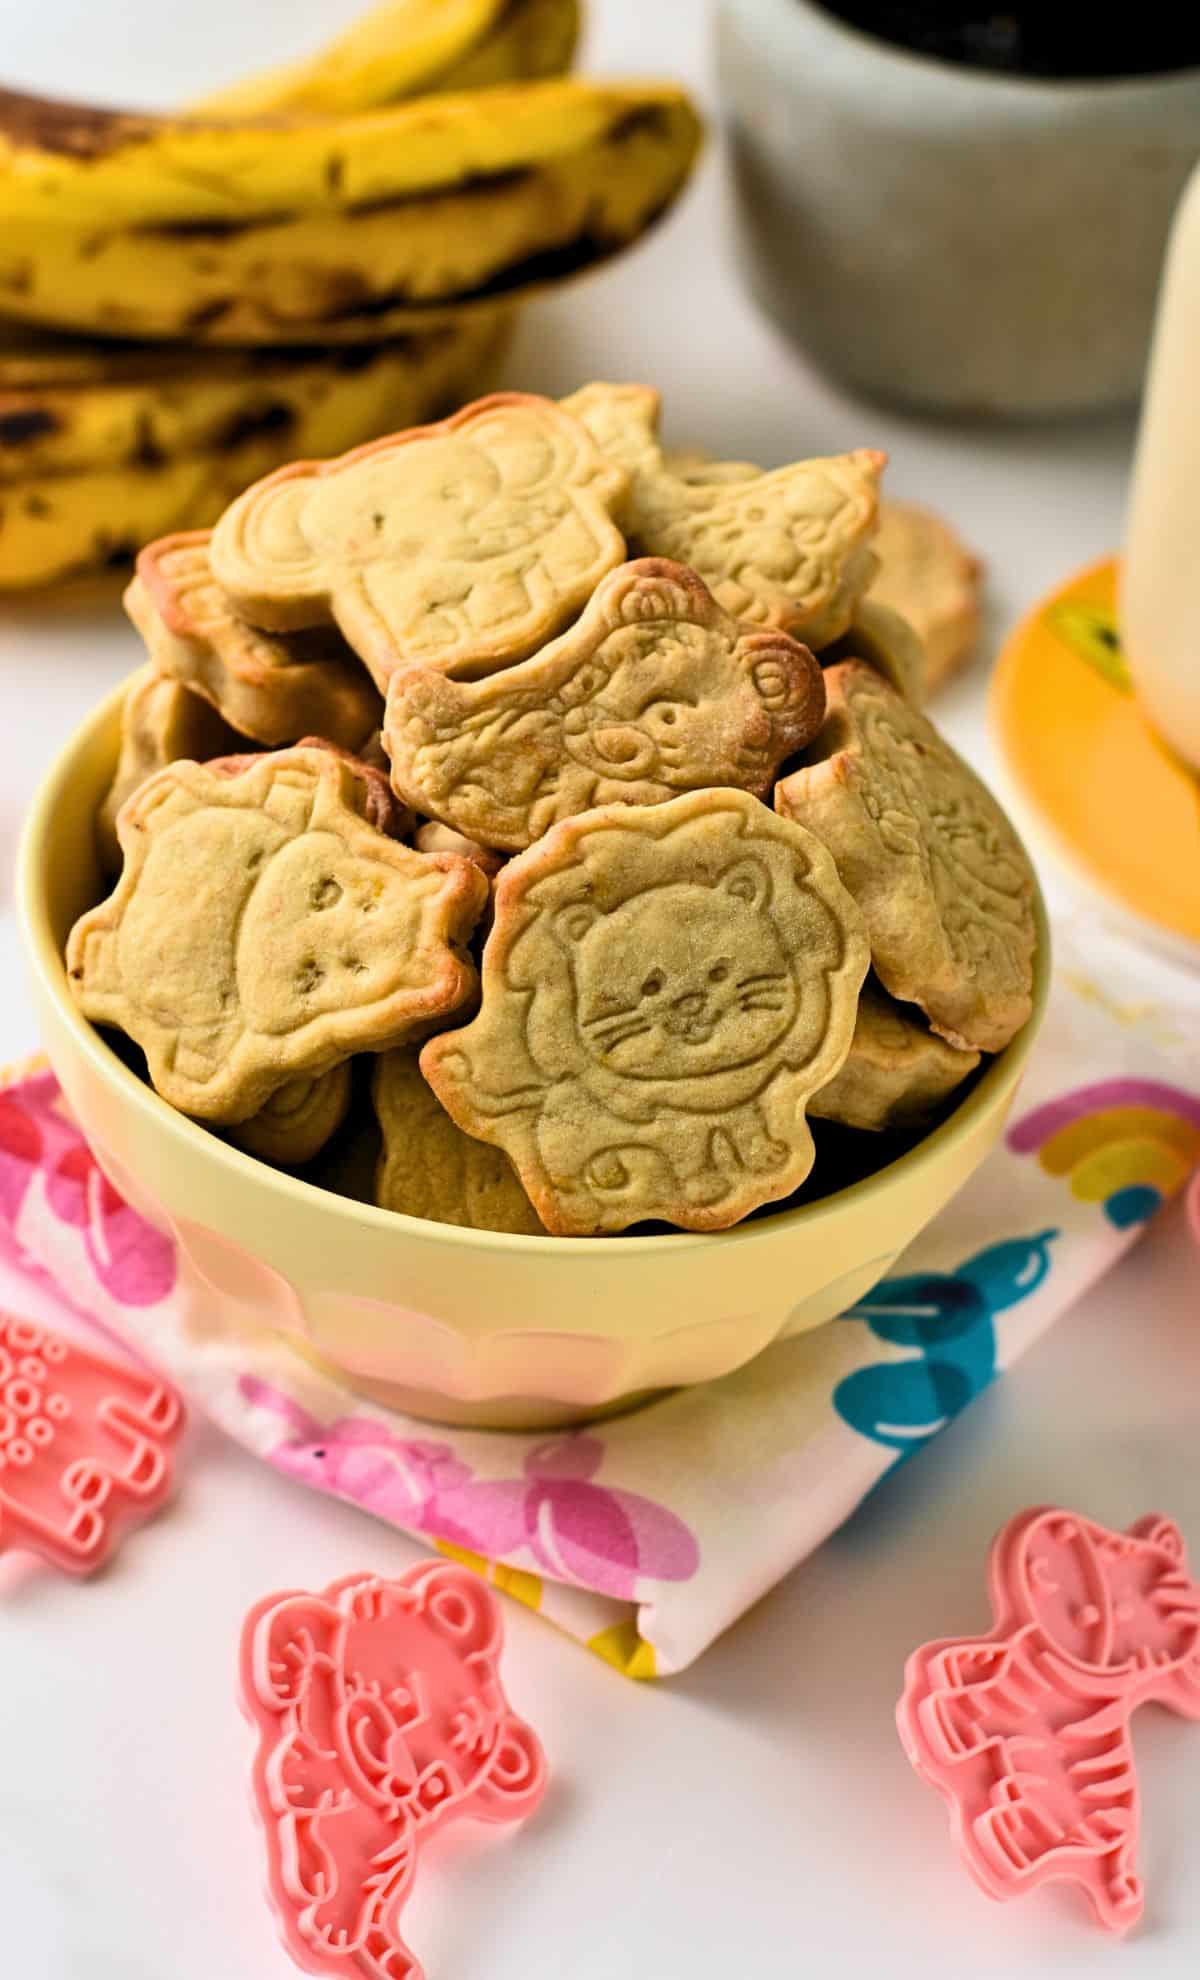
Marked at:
<point>753,1819</point>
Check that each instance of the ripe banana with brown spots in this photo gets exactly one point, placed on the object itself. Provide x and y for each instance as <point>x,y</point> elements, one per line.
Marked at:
<point>322,229</point>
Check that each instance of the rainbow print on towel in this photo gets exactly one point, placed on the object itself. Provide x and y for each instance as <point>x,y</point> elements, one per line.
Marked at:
<point>1127,1144</point>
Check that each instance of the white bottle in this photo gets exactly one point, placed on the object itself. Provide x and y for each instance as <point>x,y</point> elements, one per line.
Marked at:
<point>1160,585</point>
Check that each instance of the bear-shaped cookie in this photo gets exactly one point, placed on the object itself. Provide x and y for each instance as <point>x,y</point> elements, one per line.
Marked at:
<point>655,690</point>
<point>480,536</point>
<point>790,548</point>
<point>262,930</point>
<point>664,989</point>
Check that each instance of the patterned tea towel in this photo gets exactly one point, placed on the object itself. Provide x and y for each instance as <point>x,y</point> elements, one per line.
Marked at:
<point>648,1535</point>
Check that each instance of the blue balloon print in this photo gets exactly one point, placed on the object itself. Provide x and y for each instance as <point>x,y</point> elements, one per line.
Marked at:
<point>948,1318</point>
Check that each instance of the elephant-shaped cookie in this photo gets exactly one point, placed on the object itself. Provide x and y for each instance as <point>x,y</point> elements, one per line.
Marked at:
<point>480,536</point>
<point>655,690</point>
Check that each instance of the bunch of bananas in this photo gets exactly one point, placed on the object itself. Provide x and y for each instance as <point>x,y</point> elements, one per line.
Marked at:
<point>309,258</point>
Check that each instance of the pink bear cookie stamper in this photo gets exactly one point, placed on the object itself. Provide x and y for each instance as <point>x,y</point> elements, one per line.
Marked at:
<point>380,1718</point>
<point>85,1447</point>
<point>1025,1731</point>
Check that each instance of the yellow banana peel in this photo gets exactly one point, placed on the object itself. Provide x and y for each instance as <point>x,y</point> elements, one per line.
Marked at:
<point>408,48</point>
<point>275,232</point>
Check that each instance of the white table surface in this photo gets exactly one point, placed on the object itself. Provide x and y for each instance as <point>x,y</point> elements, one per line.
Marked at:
<point>753,1819</point>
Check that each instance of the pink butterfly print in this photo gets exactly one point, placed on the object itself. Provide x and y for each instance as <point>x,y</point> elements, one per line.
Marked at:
<point>599,1536</point>
<point>132,1261</point>
<point>398,1479</point>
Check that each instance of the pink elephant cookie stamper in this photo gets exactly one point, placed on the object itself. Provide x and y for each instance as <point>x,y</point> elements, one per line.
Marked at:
<point>1025,1731</point>
<point>85,1447</point>
<point>380,1718</point>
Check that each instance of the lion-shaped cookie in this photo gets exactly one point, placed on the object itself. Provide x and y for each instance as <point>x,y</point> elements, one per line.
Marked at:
<point>655,690</point>
<point>943,881</point>
<point>481,536</point>
<point>267,687</point>
<point>262,930</point>
<point>790,548</point>
<point>664,989</point>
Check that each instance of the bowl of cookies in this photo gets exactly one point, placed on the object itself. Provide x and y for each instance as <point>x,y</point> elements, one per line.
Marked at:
<point>519,932</point>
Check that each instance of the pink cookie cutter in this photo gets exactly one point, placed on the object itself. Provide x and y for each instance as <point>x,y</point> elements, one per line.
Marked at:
<point>380,1718</point>
<point>85,1447</point>
<point>1025,1731</point>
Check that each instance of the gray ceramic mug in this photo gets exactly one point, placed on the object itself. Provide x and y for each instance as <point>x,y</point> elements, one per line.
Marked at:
<point>945,237</point>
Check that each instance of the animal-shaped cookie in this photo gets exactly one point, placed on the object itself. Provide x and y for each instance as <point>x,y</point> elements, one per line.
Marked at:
<point>1025,1731</point>
<point>664,989</point>
<point>790,548</point>
<point>160,723</point>
<point>479,537</point>
<point>928,575</point>
<point>268,687</point>
<point>943,881</point>
<point>299,1119</point>
<point>654,690</point>
<point>430,1168</point>
<point>897,1073</point>
<point>262,931</point>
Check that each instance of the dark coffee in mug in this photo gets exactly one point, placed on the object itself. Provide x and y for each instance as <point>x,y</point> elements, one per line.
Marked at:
<point>1047,39</point>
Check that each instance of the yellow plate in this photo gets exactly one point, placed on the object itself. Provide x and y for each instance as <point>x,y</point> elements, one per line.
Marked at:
<point>1118,807</point>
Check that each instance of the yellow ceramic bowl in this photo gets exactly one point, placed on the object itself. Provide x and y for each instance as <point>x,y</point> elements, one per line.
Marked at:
<point>463,1326</point>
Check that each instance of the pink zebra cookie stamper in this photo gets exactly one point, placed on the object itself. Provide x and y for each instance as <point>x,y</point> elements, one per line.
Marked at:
<point>85,1447</point>
<point>1025,1731</point>
<point>381,1719</point>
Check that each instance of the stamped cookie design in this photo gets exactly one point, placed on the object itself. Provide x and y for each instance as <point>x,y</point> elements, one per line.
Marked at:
<point>664,989</point>
<point>269,688</point>
<point>481,536</point>
<point>430,1168</point>
<point>160,723</point>
<point>943,881</point>
<point>262,930</point>
<point>654,691</point>
<point>789,549</point>
<point>374,798</point>
<point>897,1073</point>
